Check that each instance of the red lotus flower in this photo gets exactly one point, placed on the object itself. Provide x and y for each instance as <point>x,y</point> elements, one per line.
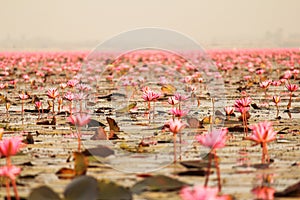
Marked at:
<point>52,93</point>
<point>215,139</point>
<point>292,87</point>
<point>10,146</point>
<point>10,171</point>
<point>79,119</point>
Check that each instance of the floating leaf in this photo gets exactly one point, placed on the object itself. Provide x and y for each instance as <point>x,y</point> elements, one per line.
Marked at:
<point>168,89</point>
<point>100,150</point>
<point>95,123</point>
<point>194,123</point>
<point>157,183</point>
<point>112,191</point>
<point>127,108</point>
<point>81,163</point>
<point>196,164</point>
<point>200,172</point>
<point>100,134</point>
<point>29,139</point>
<point>43,192</point>
<point>65,173</point>
<point>82,187</point>
<point>291,191</point>
<point>113,126</point>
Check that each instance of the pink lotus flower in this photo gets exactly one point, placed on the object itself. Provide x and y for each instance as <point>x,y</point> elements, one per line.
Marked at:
<point>276,99</point>
<point>263,193</point>
<point>10,146</point>
<point>176,126</point>
<point>292,87</point>
<point>38,104</point>
<point>72,83</point>
<point>80,119</point>
<point>23,96</point>
<point>243,102</point>
<point>265,84</point>
<point>229,110</point>
<point>201,193</point>
<point>69,96</point>
<point>10,171</point>
<point>178,113</point>
<point>262,133</point>
<point>180,97</point>
<point>52,93</point>
<point>63,85</point>
<point>149,95</point>
<point>172,101</point>
<point>215,139</point>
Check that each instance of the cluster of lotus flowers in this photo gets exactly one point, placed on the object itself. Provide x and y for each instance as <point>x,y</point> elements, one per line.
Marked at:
<point>35,69</point>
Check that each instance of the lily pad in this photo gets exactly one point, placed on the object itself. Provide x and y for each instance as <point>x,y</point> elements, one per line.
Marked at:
<point>82,187</point>
<point>157,183</point>
<point>43,192</point>
<point>112,191</point>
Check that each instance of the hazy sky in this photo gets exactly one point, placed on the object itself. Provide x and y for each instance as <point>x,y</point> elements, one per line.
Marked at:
<point>60,23</point>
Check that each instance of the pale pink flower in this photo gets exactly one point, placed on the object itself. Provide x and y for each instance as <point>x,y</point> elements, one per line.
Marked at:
<point>63,85</point>
<point>180,97</point>
<point>215,139</point>
<point>80,119</point>
<point>229,110</point>
<point>69,96</point>
<point>10,171</point>
<point>172,101</point>
<point>10,146</point>
<point>72,83</point>
<point>23,96</point>
<point>175,126</point>
<point>265,84</point>
<point>52,93</point>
